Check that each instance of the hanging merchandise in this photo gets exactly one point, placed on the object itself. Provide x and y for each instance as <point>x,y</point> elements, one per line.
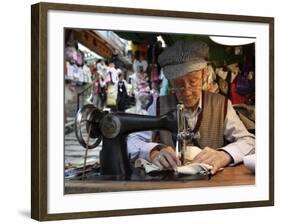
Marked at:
<point>246,82</point>
<point>164,88</point>
<point>235,70</point>
<point>80,58</point>
<point>154,67</point>
<point>210,84</point>
<point>223,86</point>
<point>221,73</point>
<point>234,95</point>
<point>246,79</point>
<point>80,75</point>
<point>87,74</point>
<point>110,98</point>
<point>70,54</point>
<point>223,77</point>
<point>69,71</point>
<point>154,72</point>
<point>75,73</point>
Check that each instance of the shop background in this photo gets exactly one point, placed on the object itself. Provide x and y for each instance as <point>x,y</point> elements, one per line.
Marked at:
<point>15,112</point>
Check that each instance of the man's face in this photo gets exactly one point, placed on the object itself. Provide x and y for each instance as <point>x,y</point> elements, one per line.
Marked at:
<point>188,88</point>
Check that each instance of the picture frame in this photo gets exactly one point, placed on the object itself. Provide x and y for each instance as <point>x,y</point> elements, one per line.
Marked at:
<point>43,145</point>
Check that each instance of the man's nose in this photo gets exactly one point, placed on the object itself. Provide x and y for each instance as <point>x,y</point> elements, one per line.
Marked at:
<point>188,92</point>
<point>188,89</point>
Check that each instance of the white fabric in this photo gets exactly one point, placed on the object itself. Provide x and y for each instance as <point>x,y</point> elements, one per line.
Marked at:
<point>114,74</point>
<point>69,72</point>
<point>142,63</point>
<point>194,168</point>
<point>190,152</point>
<point>102,69</point>
<point>147,166</point>
<point>189,169</point>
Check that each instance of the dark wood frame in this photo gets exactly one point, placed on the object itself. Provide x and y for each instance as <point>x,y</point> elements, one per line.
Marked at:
<point>39,110</point>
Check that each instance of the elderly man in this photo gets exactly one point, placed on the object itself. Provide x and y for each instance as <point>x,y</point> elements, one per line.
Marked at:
<point>210,116</point>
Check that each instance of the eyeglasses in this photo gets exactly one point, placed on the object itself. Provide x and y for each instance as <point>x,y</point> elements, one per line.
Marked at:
<point>190,88</point>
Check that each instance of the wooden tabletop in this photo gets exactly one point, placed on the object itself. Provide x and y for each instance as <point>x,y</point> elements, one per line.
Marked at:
<point>230,176</point>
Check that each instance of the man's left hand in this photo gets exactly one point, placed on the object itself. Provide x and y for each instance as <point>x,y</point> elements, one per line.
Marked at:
<point>217,159</point>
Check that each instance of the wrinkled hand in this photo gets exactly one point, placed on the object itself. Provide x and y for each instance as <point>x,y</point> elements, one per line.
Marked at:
<point>215,158</point>
<point>165,158</point>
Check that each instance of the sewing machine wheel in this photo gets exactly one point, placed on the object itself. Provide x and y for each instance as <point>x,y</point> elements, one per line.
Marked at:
<point>87,126</point>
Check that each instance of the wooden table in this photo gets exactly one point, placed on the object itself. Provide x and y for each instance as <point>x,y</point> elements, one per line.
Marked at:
<point>230,176</point>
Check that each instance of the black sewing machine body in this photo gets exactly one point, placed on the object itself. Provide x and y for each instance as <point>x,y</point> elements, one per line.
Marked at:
<point>113,129</point>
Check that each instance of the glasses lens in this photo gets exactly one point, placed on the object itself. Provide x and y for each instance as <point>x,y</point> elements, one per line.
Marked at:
<point>181,89</point>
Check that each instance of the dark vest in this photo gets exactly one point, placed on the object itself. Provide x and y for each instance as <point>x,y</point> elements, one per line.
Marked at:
<point>212,124</point>
<point>122,92</point>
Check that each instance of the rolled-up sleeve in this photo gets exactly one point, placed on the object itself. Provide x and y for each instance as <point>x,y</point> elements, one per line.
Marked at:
<point>243,142</point>
<point>139,145</point>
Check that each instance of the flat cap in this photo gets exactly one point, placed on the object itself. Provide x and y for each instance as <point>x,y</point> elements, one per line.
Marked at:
<point>183,57</point>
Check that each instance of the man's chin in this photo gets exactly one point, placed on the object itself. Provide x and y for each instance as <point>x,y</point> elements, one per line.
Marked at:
<point>189,105</point>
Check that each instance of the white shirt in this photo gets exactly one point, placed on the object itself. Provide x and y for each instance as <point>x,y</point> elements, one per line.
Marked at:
<point>139,143</point>
<point>242,141</point>
<point>114,74</point>
<point>137,63</point>
<point>102,69</point>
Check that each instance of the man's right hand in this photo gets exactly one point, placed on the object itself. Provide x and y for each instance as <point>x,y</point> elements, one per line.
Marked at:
<point>165,158</point>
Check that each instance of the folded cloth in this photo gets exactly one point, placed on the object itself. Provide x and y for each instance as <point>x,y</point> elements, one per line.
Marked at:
<point>194,169</point>
<point>191,152</point>
<point>190,169</point>
<point>147,166</point>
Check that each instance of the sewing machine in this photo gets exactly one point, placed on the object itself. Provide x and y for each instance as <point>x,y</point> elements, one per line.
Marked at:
<point>113,129</point>
<point>93,126</point>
